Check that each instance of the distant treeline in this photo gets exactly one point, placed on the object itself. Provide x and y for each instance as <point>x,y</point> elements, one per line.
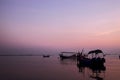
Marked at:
<point>18,51</point>
<point>21,55</point>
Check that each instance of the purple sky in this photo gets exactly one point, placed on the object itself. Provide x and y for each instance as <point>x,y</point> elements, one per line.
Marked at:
<point>60,23</point>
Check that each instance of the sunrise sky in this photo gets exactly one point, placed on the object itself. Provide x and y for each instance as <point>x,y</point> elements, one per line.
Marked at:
<point>60,23</point>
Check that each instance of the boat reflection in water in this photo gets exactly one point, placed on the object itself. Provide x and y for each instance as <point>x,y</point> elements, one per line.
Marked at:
<point>94,67</point>
<point>96,63</point>
<point>95,72</point>
<point>89,72</point>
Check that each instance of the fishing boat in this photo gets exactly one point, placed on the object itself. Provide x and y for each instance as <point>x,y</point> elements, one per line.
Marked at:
<point>95,61</point>
<point>70,55</point>
<point>67,55</point>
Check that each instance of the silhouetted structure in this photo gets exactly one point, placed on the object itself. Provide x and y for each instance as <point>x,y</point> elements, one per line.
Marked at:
<point>96,70</point>
<point>97,51</point>
<point>73,55</point>
<point>46,56</point>
<point>94,62</point>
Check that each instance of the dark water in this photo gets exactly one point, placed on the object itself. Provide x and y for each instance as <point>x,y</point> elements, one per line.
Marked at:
<point>39,68</point>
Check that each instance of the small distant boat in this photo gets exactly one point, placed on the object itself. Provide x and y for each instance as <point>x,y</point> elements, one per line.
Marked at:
<point>46,56</point>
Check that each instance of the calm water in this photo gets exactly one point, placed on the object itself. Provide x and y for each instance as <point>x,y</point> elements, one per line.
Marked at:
<point>39,68</point>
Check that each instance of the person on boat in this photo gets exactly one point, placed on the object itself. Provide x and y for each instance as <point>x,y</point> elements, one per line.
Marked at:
<point>78,56</point>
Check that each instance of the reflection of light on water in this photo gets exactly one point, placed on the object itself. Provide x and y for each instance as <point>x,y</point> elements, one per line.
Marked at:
<point>97,75</point>
<point>113,68</point>
<point>94,75</point>
<point>37,67</point>
<point>68,61</point>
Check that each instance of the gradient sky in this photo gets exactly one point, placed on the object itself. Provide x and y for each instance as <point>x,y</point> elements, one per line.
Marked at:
<point>60,23</point>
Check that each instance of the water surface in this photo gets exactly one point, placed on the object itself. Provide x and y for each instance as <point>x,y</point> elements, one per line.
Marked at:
<point>39,68</point>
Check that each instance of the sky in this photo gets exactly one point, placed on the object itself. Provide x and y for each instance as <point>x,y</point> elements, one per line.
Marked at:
<point>60,23</point>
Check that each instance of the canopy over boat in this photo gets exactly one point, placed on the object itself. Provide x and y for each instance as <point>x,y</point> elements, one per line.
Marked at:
<point>95,51</point>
